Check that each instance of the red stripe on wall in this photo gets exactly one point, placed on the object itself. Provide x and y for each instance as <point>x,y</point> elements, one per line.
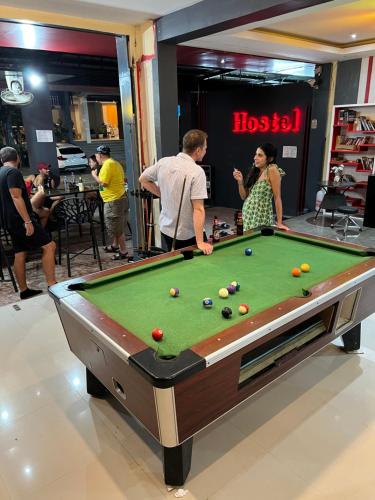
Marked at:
<point>369,74</point>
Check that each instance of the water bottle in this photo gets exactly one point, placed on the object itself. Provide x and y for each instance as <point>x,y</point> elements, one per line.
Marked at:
<point>66,184</point>
<point>215,230</point>
<point>239,223</point>
<point>73,179</point>
<point>81,186</point>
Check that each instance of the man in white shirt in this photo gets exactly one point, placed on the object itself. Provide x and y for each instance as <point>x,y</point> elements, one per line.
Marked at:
<point>165,179</point>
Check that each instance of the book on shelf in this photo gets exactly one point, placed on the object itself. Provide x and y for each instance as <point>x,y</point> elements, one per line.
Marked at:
<point>344,142</point>
<point>367,163</point>
<point>347,116</point>
<point>362,123</point>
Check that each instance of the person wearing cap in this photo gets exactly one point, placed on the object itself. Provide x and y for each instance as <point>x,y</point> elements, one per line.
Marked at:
<point>111,180</point>
<point>44,179</point>
<point>25,230</point>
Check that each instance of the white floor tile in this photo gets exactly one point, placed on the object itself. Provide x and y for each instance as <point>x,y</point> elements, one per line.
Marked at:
<point>4,492</point>
<point>308,436</point>
<point>50,443</point>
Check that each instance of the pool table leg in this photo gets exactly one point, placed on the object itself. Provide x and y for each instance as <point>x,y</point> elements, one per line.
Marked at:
<point>177,462</point>
<point>352,339</point>
<point>93,386</point>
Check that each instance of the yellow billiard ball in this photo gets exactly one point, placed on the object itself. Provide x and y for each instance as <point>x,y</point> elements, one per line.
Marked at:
<point>223,293</point>
<point>305,268</point>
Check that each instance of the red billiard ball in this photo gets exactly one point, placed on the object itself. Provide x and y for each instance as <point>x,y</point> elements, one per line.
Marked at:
<point>157,334</point>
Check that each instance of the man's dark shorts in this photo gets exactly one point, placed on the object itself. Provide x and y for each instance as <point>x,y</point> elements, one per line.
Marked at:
<point>23,243</point>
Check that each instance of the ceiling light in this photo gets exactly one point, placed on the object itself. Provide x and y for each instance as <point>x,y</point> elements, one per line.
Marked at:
<point>35,80</point>
<point>4,415</point>
<point>28,470</point>
<point>354,36</point>
<point>29,36</point>
<point>222,61</point>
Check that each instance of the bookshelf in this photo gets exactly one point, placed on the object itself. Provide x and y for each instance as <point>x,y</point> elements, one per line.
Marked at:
<point>352,144</point>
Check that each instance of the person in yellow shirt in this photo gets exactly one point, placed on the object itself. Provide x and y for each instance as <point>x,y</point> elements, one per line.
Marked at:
<point>111,181</point>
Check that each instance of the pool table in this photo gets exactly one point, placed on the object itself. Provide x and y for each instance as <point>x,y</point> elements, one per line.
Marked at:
<point>206,364</point>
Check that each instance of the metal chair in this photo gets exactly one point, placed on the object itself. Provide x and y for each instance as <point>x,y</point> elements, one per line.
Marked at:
<point>4,259</point>
<point>72,212</point>
<point>346,222</point>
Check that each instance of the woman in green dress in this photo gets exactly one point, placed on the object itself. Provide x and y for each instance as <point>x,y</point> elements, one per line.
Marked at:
<point>259,188</point>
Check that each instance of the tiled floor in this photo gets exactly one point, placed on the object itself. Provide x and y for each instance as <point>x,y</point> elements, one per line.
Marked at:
<point>308,436</point>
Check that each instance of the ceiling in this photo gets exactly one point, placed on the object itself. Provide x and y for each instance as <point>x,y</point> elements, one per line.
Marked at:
<point>317,34</point>
<point>127,11</point>
<point>336,26</point>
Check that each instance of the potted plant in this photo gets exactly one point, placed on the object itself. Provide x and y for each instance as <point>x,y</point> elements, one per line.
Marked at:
<point>102,131</point>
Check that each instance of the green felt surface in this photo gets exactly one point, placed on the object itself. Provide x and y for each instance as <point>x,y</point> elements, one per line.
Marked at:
<point>139,299</point>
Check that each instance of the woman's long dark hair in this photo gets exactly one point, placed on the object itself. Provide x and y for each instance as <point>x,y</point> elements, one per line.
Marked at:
<point>271,152</point>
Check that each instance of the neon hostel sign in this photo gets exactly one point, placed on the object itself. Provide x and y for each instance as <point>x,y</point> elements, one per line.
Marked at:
<point>244,122</point>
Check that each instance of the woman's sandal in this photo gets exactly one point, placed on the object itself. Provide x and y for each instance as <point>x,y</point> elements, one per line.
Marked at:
<point>111,249</point>
<point>120,256</point>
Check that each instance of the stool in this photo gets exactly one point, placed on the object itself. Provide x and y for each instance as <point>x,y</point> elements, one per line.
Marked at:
<point>347,222</point>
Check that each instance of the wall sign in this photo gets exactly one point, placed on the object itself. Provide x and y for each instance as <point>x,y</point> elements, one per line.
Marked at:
<point>243,122</point>
<point>289,151</point>
<point>44,136</point>
<point>15,94</point>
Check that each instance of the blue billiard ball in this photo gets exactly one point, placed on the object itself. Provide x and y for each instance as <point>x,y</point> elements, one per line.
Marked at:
<point>207,303</point>
<point>248,251</point>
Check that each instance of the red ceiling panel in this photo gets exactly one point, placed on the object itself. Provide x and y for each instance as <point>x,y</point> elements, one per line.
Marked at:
<point>32,36</point>
<point>192,56</point>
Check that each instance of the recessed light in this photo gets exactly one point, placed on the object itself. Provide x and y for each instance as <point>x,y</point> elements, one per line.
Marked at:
<point>222,61</point>
<point>354,36</point>
<point>35,80</point>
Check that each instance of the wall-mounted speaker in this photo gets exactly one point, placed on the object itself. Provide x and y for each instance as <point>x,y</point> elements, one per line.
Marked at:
<point>369,216</point>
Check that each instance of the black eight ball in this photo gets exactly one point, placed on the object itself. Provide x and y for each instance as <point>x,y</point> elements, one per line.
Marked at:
<point>226,312</point>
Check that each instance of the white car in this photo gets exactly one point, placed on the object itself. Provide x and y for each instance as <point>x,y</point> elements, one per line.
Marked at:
<point>70,157</point>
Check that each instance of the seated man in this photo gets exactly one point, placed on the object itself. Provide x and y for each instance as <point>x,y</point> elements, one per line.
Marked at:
<point>24,229</point>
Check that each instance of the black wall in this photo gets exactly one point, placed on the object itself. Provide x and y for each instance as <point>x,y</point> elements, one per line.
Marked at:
<point>227,150</point>
<point>347,79</point>
<point>319,112</point>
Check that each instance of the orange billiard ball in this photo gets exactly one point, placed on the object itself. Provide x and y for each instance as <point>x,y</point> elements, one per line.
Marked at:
<point>305,268</point>
<point>243,309</point>
<point>296,272</point>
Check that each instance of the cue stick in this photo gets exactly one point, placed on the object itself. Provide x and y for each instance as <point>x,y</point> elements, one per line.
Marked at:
<point>151,224</point>
<point>178,215</point>
<point>149,220</point>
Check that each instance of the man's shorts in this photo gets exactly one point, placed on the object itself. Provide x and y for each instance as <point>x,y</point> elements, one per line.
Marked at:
<point>115,213</point>
<point>23,243</point>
